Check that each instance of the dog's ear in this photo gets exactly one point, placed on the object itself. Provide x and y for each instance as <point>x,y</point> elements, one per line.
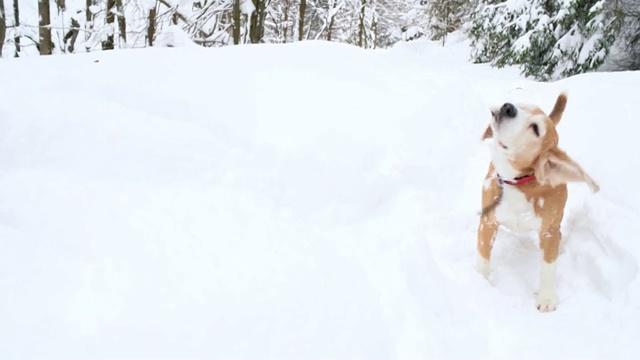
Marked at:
<point>555,167</point>
<point>488,133</point>
<point>558,108</point>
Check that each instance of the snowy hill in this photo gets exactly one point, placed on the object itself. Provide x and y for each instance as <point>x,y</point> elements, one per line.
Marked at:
<point>311,200</point>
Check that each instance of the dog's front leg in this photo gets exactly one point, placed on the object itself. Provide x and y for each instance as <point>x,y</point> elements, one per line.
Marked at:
<point>547,299</point>
<point>487,231</point>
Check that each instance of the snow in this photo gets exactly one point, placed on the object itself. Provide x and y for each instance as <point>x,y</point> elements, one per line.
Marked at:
<point>524,42</point>
<point>588,47</point>
<point>412,32</point>
<point>173,36</point>
<point>336,7</point>
<point>247,7</point>
<point>320,202</point>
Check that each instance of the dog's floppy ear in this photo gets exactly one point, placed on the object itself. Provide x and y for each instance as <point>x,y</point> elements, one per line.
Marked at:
<point>488,133</point>
<point>558,108</point>
<point>555,167</point>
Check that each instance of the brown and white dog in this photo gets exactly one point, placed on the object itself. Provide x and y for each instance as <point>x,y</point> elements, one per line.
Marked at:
<point>525,189</point>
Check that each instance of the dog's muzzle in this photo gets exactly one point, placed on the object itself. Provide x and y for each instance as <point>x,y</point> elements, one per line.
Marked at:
<point>507,111</point>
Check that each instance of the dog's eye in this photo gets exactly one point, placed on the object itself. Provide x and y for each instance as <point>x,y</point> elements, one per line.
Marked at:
<point>536,130</point>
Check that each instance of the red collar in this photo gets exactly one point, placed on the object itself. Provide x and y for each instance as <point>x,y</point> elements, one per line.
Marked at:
<point>520,180</point>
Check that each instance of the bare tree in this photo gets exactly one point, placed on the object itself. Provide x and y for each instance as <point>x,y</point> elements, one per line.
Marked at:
<point>72,35</point>
<point>45,45</point>
<point>89,22</point>
<point>208,15</point>
<point>151,29</point>
<point>3,25</point>
<point>236,22</point>
<point>256,30</point>
<point>277,28</point>
<point>88,13</point>
<point>362,41</point>
<point>16,23</point>
<point>287,7</point>
<point>333,11</point>
<point>303,10</point>
<point>108,43</point>
<point>122,23</point>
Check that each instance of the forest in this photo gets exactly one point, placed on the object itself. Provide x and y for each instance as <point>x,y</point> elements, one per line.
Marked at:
<point>548,39</point>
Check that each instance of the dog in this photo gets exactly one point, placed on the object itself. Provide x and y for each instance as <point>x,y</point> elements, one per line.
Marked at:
<point>525,189</point>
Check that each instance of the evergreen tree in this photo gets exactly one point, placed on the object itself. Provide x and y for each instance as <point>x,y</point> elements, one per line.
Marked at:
<point>550,39</point>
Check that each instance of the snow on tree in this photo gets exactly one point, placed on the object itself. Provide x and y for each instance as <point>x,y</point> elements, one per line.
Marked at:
<point>549,39</point>
<point>399,21</point>
<point>108,43</point>
<point>334,7</point>
<point>367,18</point>
<point>446,16</point>
<point>325,20</point>
<point>280,22</point>
<point>579,39</point>
<point>626,51</point>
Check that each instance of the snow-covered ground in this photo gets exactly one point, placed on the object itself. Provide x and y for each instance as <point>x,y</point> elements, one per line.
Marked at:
<point>311,200</point>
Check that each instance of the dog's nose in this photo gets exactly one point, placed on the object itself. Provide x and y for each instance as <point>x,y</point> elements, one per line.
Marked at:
<point>508,110</point>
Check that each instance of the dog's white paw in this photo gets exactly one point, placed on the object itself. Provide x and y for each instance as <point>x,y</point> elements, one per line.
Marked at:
<point>547,300</point>
<point>546,303</point>
<point>482,266</point>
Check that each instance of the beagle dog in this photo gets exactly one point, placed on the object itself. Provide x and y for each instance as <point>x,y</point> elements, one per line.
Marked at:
<point>525,189</point>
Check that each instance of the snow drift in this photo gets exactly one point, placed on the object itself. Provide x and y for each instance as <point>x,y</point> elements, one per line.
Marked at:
<point>310,200</point>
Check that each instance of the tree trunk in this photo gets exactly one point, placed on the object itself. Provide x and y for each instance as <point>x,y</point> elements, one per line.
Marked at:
<point>446,25</point>
<point>122,23</point>
<point>361,30</point>
<point>263,16</point>
<point>303,10</point>
<point>89,22</point>
<point>236,22</point>
<point>374,33</point>
<point>3,26</point>
<point>44,44</point>
<point>256,31</point>
<point>286,21</point>
<point>334,4</point>
<point>16,22</point>
<point>72,35</point>
<point>108,44</point>
<point>89,14</point>
<point>151,29</point>
<point>253,23</point>
<point>292,30</point>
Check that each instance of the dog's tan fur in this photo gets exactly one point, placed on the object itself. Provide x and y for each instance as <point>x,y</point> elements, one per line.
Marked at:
<point>553,168</point>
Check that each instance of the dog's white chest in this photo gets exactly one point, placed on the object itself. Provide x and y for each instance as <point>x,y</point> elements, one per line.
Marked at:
<point>516,213</point>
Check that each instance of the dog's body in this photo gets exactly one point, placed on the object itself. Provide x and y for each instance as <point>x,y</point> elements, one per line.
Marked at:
<point>525,189</point>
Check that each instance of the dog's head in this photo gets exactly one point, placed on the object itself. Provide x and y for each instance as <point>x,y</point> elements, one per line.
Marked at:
<point>527,139</point>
